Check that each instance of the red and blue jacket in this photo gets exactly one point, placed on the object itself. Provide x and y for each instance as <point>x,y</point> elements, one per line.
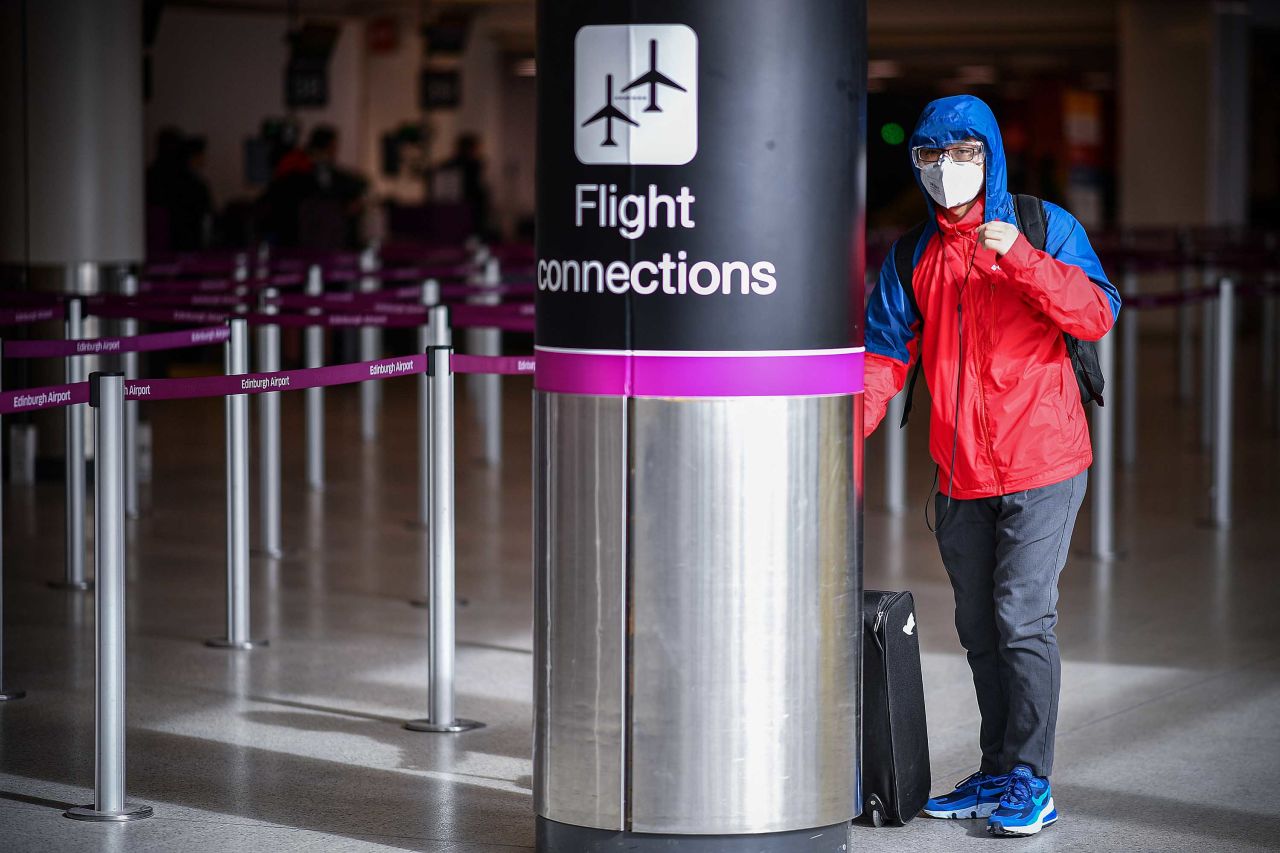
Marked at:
<point>992,331</point>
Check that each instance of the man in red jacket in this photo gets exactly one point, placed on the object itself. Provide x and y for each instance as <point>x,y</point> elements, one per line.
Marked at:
<point>1007,430</point>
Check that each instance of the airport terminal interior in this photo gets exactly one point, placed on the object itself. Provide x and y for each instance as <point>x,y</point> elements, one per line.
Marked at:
<point>510,538</point>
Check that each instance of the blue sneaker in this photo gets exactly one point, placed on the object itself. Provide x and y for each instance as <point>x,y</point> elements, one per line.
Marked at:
<point>975,796</point>
<point>1026,807</point>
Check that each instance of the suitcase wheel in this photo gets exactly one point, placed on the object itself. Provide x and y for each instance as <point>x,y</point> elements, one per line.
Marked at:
<point>875,811</point>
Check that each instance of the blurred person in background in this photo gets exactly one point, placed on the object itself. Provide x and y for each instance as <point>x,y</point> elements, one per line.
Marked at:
<point>177,190</point>
<point>311,200</point>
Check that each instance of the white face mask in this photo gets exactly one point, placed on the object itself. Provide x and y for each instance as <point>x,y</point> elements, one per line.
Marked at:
<point>952,184</point>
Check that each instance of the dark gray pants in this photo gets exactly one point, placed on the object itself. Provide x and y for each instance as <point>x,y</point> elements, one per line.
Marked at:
<point>1004,556</point>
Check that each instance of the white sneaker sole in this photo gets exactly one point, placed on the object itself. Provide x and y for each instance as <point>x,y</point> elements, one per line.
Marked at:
<point>983,811</point>
<point>1049,817</point>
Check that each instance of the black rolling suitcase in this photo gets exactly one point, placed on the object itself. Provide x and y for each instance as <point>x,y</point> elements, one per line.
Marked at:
<point>895,740</point>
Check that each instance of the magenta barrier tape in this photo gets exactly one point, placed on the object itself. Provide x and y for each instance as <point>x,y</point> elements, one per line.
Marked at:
<point>48,397</point>
<point>188,285</point>
<point>22,316</point>
<point>284,380</point>
<point>472,317</point>
<point>225,299</point>
<point>510,365</point>
<point>135,343</point>
<point>130,311</point>
<point>27,299</point>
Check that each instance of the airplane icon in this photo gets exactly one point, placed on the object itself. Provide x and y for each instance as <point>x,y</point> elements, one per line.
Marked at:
<point>609,113</point>
<point>653,79</point>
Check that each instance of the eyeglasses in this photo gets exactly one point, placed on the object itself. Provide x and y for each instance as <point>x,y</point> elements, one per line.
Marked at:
<point>923,155</point>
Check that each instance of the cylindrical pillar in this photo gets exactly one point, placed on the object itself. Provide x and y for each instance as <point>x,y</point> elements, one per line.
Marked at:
<point>237,413</point>
<point>315,396</point>
<point>1103,475</point>
<point>74,578</point>
<point>107,396</point>
<point>71,156</point>
<point>1224,365</point>
<point>269,433</point>
<point>441,563</point>
<point>1129,378</point>
<point>697,449</point>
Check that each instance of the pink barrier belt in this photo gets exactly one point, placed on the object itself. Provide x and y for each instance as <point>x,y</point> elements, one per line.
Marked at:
<point>49,397</point>
<point>129,311</point>
<point>22,316</point>
<point>509,365</point>
<point>284,380</point>
<point>136,343</point>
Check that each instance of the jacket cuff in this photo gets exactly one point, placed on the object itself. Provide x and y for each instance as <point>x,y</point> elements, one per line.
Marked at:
<point>1019,256</point>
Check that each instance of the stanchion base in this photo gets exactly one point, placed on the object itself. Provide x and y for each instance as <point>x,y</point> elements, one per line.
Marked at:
<point>224,643</point>
<point>458,725</point>
<point>72,586</point>
<point>90,813</point>
<point>11,694</point>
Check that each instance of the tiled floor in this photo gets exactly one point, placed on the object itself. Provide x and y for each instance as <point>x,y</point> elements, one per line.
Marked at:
<point>1170,722</point>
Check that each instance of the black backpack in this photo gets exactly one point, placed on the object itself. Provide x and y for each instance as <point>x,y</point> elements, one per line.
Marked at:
<point>1033,223</point>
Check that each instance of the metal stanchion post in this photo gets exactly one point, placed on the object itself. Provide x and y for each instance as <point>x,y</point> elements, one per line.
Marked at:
<point>1223,402</point>
<point>107,396</point>
<point>1129,378</point>
<point>435,334</point>
<point>1269,332</point>
<point>6,693</point>
<point>895,455</point>
<point>269,432</point>
<point>1208,346</point>
<point>489,386</point>
<point>440,609</point>
<point>1103,474</point>
<point>237,413</point>
<point>370,349</point>
<point>1186,355</point>
<point>315,396</point>
<point>75,488</point>
<point>129,328</point>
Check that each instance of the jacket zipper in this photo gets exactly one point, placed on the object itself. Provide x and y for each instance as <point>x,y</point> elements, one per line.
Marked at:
<point>982,411</point>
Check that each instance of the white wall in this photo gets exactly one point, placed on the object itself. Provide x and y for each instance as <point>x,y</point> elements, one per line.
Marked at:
<point>218,74</point>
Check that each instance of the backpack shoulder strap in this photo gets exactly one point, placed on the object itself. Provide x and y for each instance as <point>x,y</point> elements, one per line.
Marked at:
<point>1032,220</point>
<point>904,256</point>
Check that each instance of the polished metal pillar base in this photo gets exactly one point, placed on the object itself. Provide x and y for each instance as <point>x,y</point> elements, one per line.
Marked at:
<point>458,725</point>
<point>11,695</point>
<point>74,586</point>
<point>554,837</point>
<point>224,643</point>
<point>90,813</point>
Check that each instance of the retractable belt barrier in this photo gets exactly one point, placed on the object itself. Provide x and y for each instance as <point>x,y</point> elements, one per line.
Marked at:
<point>57,396</point>
<point>107,346</point>
<point>24,316</point>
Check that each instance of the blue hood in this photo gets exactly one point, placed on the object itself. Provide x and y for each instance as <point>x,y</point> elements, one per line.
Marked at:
<point>950,120</point>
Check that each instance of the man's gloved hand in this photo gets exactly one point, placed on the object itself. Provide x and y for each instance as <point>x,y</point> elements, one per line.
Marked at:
<point>997,236</point>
